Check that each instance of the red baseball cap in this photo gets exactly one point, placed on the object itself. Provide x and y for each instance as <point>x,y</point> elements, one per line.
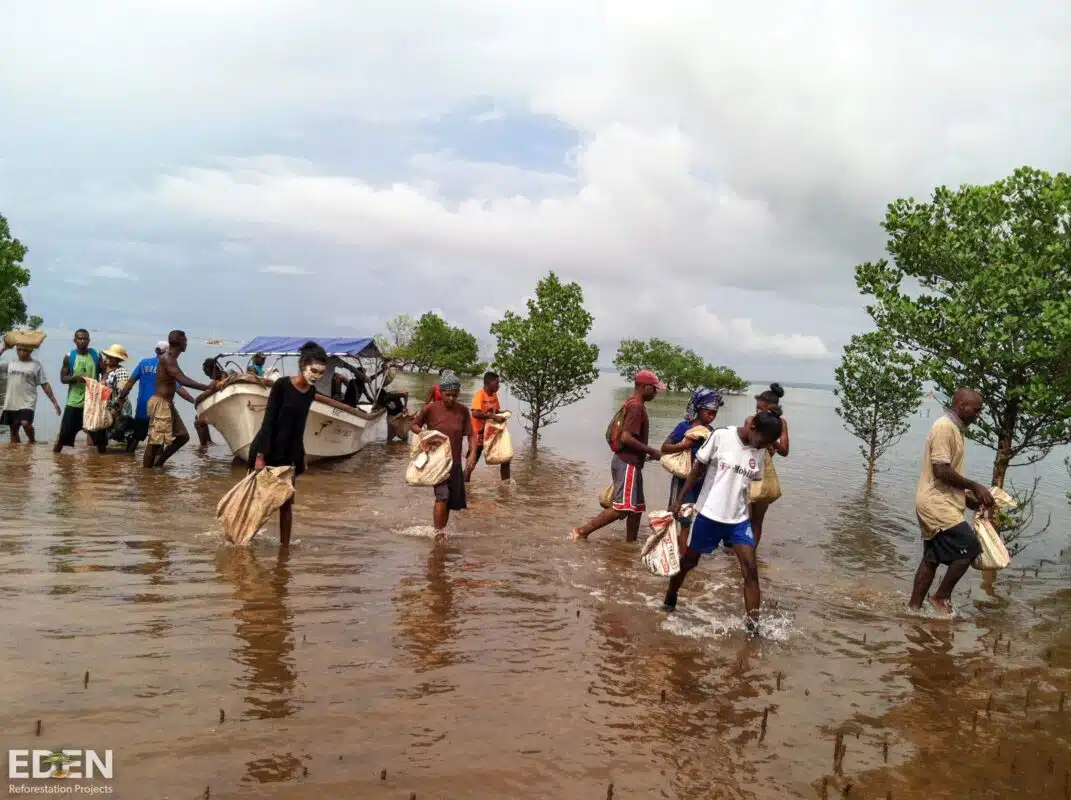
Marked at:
<point>647,378</point>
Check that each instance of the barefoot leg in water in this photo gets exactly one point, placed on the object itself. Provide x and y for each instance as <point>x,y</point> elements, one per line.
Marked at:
<point>955,572</point>
<point>607,517</point>
<point>689,561</point>
<point>749,569</point>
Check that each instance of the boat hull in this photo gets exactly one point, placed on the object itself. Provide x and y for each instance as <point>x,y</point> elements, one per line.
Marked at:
<point>332,430</point>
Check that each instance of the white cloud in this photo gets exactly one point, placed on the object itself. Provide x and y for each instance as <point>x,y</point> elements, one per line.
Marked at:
<point>730,159</point>
<point>112,272</point>
<point>739,334</point>
<point>285,269</point>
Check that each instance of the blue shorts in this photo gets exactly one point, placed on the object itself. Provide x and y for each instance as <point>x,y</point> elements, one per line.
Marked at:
<point>706,534</point>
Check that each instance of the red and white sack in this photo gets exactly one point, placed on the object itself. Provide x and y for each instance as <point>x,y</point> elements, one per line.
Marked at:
<point>96,416</point>
<point>661,552</point>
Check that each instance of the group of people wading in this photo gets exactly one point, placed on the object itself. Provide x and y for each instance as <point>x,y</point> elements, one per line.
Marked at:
<point>713,503</point>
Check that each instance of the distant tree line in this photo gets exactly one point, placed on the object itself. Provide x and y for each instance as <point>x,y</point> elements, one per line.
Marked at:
<point>679,369</point>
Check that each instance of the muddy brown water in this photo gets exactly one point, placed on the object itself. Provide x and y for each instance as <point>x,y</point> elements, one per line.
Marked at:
<point>512,663</point>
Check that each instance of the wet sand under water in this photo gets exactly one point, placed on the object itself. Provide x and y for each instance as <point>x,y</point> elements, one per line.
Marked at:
<point>511,662</point>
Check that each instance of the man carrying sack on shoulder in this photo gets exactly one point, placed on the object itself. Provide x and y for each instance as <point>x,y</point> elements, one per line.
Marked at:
<point>627,437</point>
<point>940,500</point>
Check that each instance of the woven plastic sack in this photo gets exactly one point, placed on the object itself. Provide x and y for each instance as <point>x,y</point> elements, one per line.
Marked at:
<point>434,469</point>
<point>606,497</point>
<point>497,444</point>
<point>768,488</point>
<point>31,339</point>
<point>661,552</point>
<point>247,506</point>
<point>994,554</point>
<point>680,464</point>
<point>97,416</point>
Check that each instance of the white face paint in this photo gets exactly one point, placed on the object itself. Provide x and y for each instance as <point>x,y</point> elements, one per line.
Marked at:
<point>313,372</point>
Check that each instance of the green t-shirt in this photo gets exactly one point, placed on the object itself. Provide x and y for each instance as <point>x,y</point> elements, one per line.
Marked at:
<point>76,392</point>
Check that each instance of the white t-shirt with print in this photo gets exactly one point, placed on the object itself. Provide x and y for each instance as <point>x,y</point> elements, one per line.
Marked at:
<point>731,467</point>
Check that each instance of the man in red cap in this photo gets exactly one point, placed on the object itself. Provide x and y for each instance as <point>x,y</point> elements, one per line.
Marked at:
<point>627,437</point>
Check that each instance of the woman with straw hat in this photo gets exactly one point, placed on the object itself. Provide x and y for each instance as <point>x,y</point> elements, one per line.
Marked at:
<point>115,376</point>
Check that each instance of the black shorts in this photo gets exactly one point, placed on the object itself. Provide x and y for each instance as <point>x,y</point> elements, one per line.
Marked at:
<point>452,490</point>
<point>13,418</point>
<point>71,426</point>
<point>953,544</point>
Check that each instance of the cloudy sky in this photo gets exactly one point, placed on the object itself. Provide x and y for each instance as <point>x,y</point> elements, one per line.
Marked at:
<point>710,172</point>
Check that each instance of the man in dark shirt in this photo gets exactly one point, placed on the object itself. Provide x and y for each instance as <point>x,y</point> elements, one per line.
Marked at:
<point>629,444</point>
<point>357,389</point>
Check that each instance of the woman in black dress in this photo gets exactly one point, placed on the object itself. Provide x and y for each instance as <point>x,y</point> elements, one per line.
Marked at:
<point>281,441</point>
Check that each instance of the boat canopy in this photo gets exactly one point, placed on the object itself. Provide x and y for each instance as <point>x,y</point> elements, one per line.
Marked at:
<point>291,345</point>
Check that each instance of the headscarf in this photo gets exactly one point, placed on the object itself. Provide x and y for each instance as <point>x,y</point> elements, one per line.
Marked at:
<point>702,398</point>
<point>450,382</point>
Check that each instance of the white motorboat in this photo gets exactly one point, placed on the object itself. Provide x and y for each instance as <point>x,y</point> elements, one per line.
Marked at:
<point>334,429</point>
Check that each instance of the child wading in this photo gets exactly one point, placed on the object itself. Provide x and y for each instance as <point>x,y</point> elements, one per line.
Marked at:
<point>701,411</point>
<point>450,418</point>
<point>731,459</point>
<point>281,441</point>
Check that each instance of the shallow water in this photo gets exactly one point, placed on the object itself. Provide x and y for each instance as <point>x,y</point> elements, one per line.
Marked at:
<point>511,662</point>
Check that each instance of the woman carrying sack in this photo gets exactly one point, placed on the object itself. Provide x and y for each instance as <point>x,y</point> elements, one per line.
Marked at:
<point>452,419</point>
<point>115,377</point>
<point>281,441</point>
<point>766,491</point>
<point>701,411</point>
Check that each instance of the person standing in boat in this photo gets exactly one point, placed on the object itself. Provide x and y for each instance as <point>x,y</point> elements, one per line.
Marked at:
<point>256,365</point>
<point>452,419</point>
<point>281,440</point>
<point>396,406</point>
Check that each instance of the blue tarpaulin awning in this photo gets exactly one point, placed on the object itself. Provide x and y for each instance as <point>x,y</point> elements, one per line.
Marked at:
<point>290,345</point>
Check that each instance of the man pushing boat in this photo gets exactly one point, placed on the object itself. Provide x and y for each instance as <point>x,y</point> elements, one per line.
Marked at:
<point>167,432</point>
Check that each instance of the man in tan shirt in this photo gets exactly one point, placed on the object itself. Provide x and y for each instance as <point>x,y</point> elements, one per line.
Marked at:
<point>940,500</point>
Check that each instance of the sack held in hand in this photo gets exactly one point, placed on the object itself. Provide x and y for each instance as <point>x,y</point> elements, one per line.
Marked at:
<point>97,416</point>
<point>429,467</point>
<point>606,497</point>
<point>245,509</point>
<point>994,554</point>
<point>680,464</point>
<point>768,488</point>
<point>497,444</point>
<point>661,552</point>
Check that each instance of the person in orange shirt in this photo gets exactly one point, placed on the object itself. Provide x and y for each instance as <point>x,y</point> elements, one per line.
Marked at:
<point>485,407</point>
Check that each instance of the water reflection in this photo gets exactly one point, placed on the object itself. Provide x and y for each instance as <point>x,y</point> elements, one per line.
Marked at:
<point>427,615</point>
<point>265,628</point>
<point>864,532</point>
